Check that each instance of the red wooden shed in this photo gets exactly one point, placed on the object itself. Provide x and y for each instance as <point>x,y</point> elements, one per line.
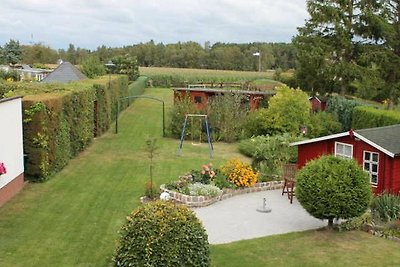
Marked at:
<point>201,96</point>
<point>317,103</point>
<point>377,150</point>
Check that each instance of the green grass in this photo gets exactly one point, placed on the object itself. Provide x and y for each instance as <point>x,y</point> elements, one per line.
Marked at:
<point>73,219</point>
<point>311,248</point>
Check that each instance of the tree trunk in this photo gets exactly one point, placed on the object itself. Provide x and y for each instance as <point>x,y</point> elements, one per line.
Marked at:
<point>330,223</point>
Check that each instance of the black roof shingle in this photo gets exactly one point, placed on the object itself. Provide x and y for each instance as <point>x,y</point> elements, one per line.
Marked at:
<point>387,137</point>
<point>64,73</point>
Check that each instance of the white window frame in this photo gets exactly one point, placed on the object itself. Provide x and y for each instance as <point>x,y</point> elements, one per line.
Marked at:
<point>342,155</point>
<point>370,162</point>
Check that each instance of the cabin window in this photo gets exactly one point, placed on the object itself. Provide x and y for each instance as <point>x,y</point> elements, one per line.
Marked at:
<point>343,150</point>
<point>197,99</point>
<point>371,162</point>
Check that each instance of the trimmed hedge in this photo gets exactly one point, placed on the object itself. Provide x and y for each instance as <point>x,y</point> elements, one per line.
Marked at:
<point>61,120</point>
<point>342,108</point>
<point>369,117</point>
<point>162,234</point>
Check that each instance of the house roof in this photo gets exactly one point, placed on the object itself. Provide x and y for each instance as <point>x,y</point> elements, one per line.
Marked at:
<point>208,90</point>
<point>385,139</point>
<point>319,98</point>
<point>64,73</point>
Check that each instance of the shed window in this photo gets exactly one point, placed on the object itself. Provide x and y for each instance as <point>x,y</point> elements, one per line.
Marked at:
<point>371,162</point>
<point>197,99</point>
<point>343,150</point>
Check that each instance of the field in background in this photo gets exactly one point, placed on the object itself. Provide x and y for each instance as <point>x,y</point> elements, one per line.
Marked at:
<point>177,77</point>
<point>228,74</point>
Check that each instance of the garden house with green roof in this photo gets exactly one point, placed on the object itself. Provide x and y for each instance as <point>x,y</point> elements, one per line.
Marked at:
<point>377,150</point>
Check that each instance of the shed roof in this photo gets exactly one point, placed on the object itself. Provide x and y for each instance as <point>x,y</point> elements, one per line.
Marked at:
<point>385,139</point>
<point>64,73</point>
<point>209,90</point>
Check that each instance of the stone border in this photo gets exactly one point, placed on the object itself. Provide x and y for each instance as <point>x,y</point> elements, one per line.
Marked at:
<point>203,201</point>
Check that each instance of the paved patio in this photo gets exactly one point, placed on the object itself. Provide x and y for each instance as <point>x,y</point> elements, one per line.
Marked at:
<point>237,218</point>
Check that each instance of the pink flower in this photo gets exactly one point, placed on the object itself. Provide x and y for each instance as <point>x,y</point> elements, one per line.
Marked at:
<point>2,169</point>
<point>210,164</point>
<point>203,172</point>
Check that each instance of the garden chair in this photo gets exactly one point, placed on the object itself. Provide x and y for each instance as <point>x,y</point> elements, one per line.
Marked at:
<point>289,182</point>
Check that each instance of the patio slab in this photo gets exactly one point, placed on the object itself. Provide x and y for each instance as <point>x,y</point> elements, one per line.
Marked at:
<point>237,218</point>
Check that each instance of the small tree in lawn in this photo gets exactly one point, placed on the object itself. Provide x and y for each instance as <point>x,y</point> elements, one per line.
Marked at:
<point>151,147</point>
<point>331,187</point>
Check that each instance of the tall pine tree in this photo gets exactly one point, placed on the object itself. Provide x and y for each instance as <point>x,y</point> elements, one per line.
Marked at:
<point>327,46</point>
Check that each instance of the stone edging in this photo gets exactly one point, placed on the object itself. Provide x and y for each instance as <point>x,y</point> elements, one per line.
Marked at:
<point>203,201</point>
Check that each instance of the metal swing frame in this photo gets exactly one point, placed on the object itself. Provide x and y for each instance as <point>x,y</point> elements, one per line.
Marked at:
<point>210,145</point>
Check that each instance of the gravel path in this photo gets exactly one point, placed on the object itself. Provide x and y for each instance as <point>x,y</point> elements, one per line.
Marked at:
<point>237,218</point>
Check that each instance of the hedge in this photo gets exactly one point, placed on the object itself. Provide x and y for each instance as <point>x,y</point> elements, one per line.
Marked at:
<point>61,120</point>
<point>342,108</point>
<point>370,117</point>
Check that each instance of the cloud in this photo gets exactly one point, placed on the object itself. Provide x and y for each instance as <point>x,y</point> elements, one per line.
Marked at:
<point>90,24</point>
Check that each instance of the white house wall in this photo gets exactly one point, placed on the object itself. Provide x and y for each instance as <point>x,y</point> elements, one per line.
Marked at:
<point>11,142</point>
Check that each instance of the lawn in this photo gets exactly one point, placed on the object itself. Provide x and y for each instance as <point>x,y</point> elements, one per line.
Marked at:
<point>310,248</point>
<point>73,219</point>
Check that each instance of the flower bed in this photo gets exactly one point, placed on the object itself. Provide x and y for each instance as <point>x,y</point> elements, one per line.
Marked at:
<point>203,201</point>
<point>200,188</point>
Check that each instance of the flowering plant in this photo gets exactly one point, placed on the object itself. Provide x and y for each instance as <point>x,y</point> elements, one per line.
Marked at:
<point>2,168</point>
<point>240,173</point>
<point>205,175</point>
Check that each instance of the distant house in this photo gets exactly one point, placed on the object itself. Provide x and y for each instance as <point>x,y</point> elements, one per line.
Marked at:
<point>201,96</point>
<point>318,103</point>
<point>64,73</point>
<point>377,150</point>
<point>11,148</point>
<point>28,73</point>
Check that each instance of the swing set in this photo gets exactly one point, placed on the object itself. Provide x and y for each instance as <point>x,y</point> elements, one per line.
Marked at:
<point>207,130</point>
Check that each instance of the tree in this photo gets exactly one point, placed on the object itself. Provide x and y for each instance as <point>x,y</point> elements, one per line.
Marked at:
<point>126,65</point>
<point>380,22</point>
<point>11,53</point>
<point>38,53</point>
<point>286,112</point>
<point>327,46</point>
<point>162,234</point>
<point>92,67</point>
<point>332,187</point>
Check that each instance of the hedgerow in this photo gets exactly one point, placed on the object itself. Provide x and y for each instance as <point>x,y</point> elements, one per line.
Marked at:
<point>61,120</point>
<point>370,117</point>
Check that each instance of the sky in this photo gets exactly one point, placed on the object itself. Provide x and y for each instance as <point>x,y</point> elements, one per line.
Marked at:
<point>115,23</point>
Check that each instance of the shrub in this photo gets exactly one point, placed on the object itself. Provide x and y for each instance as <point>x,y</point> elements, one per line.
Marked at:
<point>331,187</point>
<point>369,117</point>
<point>205,175</point>
<point>239,173</point>
<point>323,123</point>
<point>92,67</point>
<point>177,117</point>
<point>162,234</point>
<point>199,189</point>
<point>286,112</point>
<point>342,108</point>
<point>221,181</point>
<point>151,190</point>
<point>356,223</point>
<point>386,207</point>
<point>269,152</point>
<point>227,116</point>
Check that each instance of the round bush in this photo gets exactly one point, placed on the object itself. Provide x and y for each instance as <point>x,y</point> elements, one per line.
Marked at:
<point>162,234</point>
<point>331,187</point>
